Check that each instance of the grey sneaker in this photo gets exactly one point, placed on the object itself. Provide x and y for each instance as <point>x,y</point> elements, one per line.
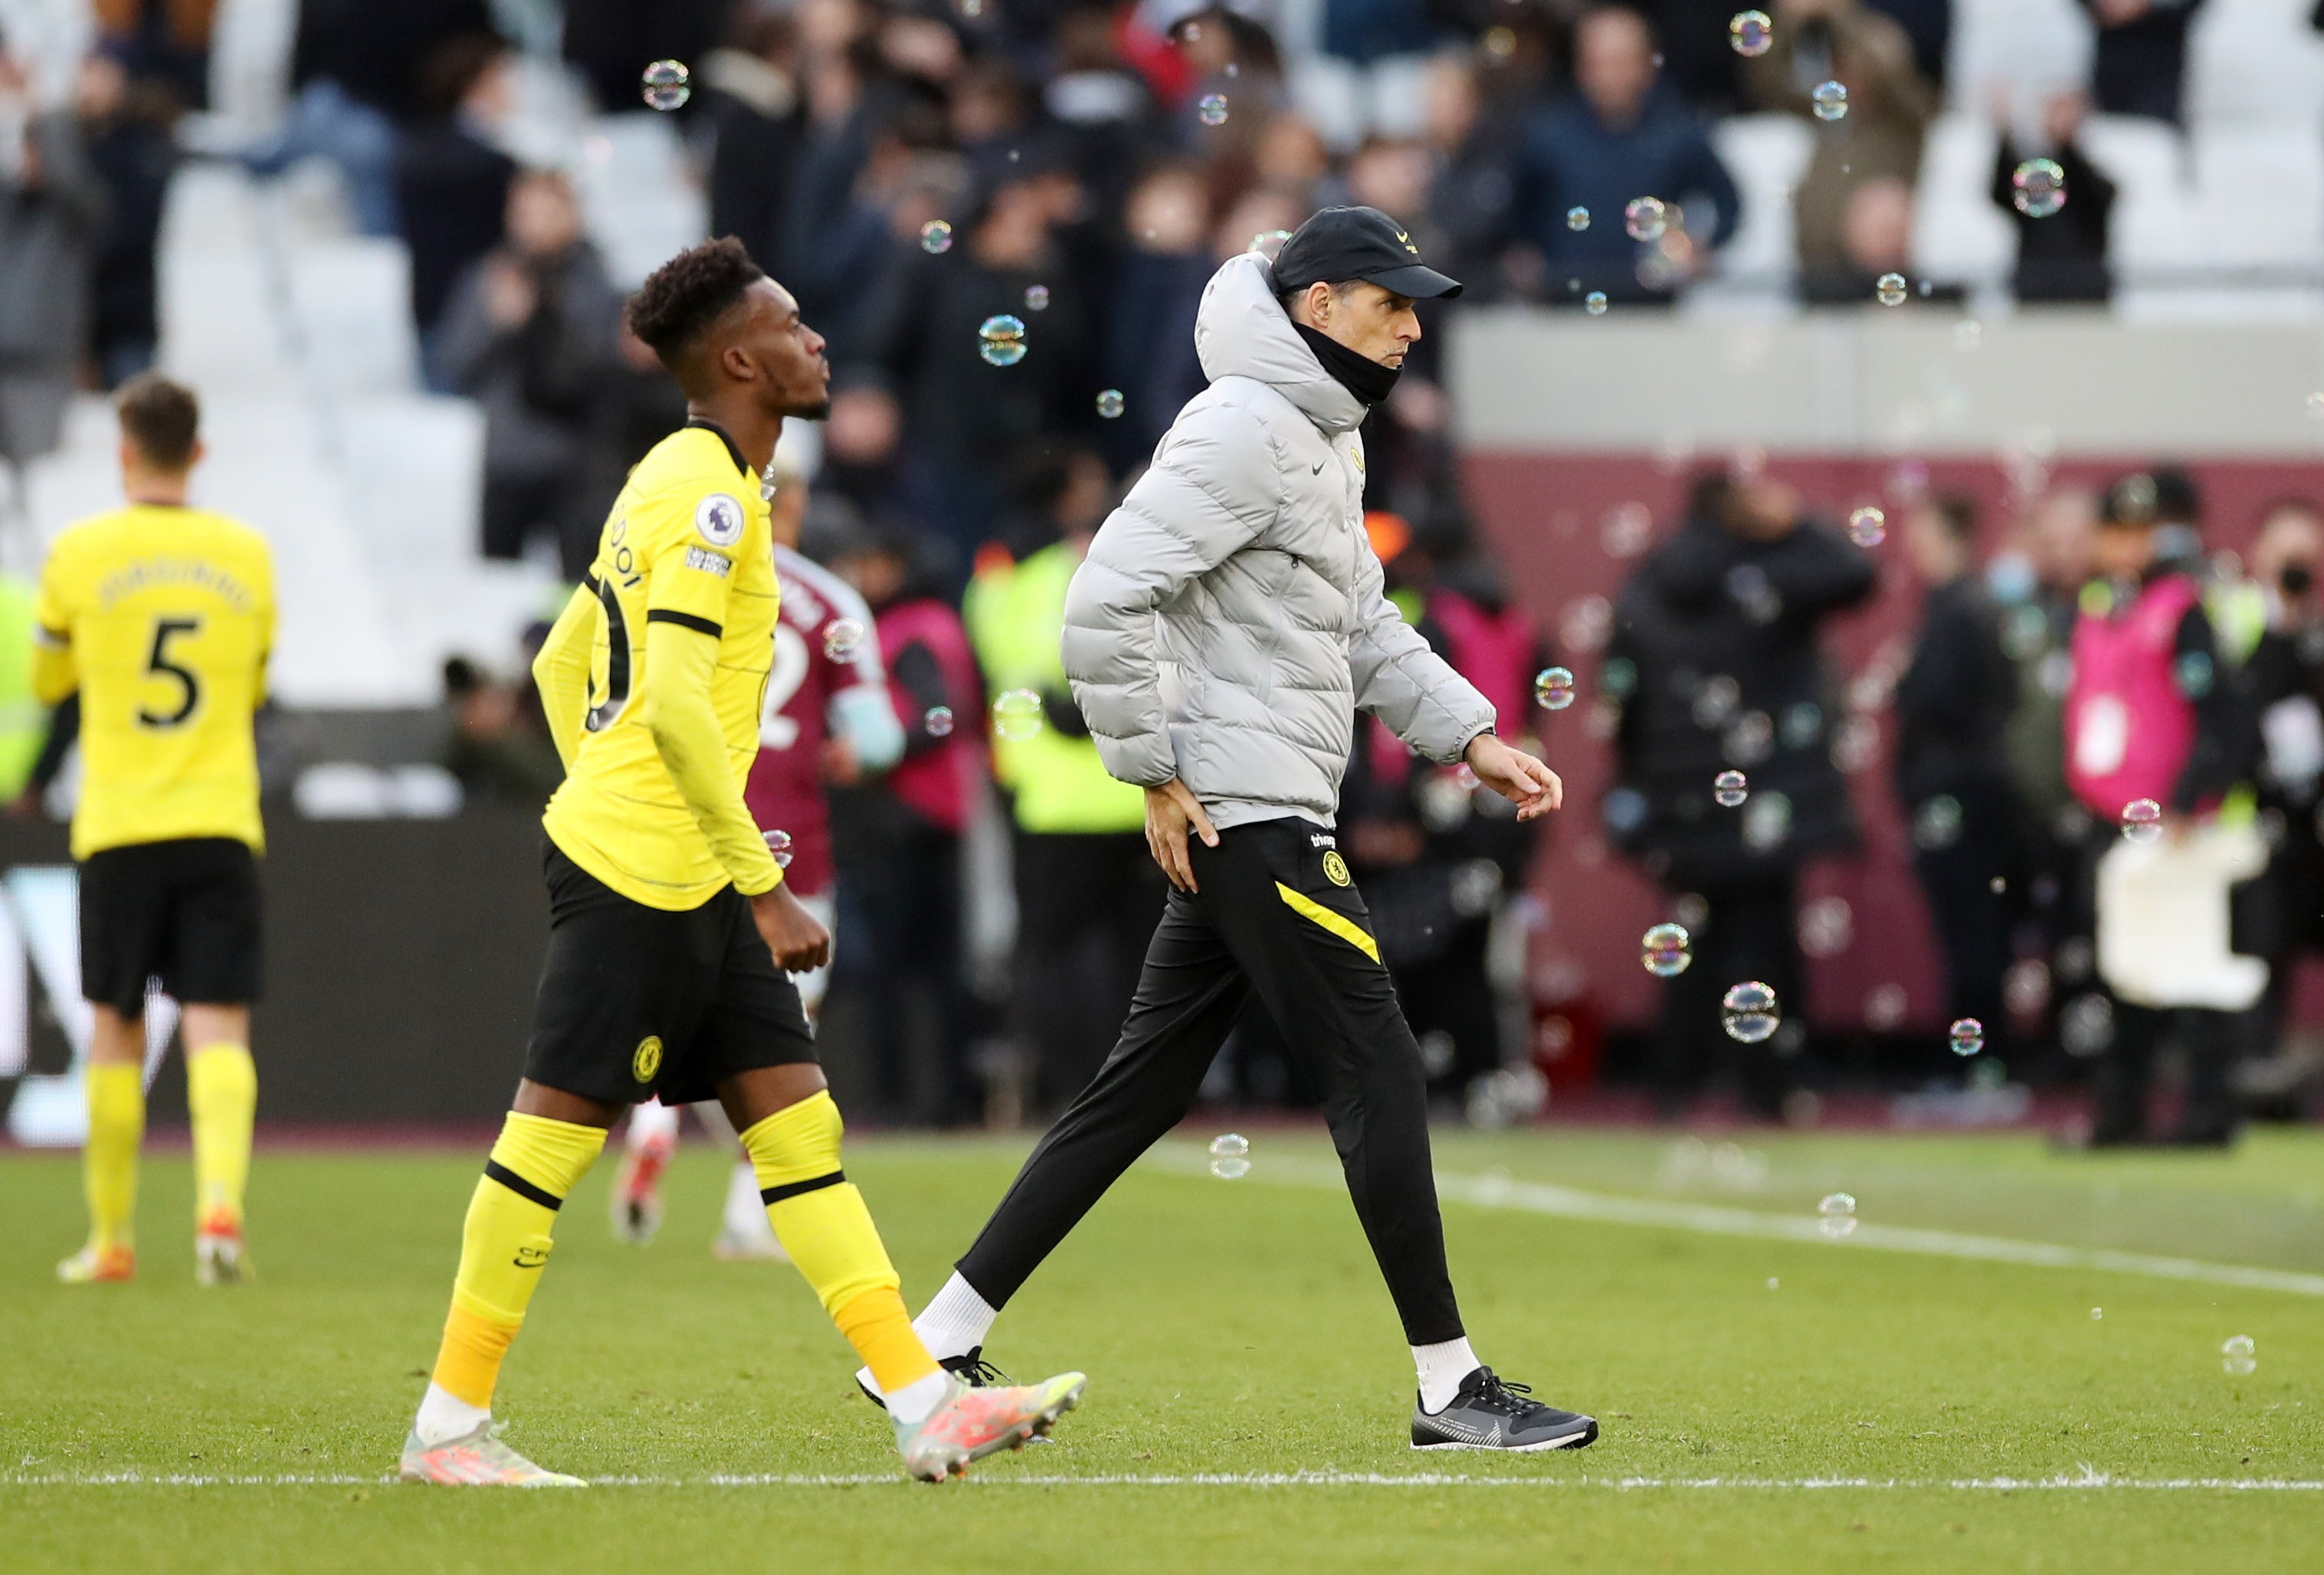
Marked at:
<point>1490,1414</point>
<point>477,1458</point>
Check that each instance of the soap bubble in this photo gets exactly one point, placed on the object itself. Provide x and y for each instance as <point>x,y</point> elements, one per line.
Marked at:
<point>1830,100</point>
<point>1751,33</point>
<point>1577,218</point>
<point>1967,1036</point>
<point>2315,402</point>
<point>779,843</point>
<point>2142,821</point>
<point>1868,527</point>
<point>1645,218</point>
<point>1110,404</point>
<point>1231,1156</point>
<point>2241,1353</point>
<point>1826,926</point>
<point>1553,689</point>
<point>939,721</point>
<point>936,237</point>
<point>1210,109</point>
<point>1937,823</point>
<point>2086,1027</point>
<point>1037,297</point>
<point>1748,1012</point>
<point>1884,1007</point>
<point>1836,1216</point>
<point>1729,788</point>
<point>841,637</point>
<point>1500,42</point>
<point>1016,715</point>
<point>2038,188</point>
<point>666,84</point>
<point>1001,340</point>
<point>1891,289</point>
<point>1664,951</point>
<point>2192,674</point>
<point>2097,1313</point>
<point>1594,303</point>
<point>1266,243</point>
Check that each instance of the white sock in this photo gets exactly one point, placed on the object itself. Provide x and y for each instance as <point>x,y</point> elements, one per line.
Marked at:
<point>915,1400</point>
<point>652,1124</point>
<point>956,1322</point>
<point>444,1416</point>
<point>746,1212</point>
<point>1442,1367</point>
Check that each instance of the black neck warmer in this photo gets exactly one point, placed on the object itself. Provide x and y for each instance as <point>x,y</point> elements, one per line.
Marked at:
<point>1361,375</point>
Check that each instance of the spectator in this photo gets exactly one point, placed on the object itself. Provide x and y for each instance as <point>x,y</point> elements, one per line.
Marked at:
<point>163,43</point>
<point>900,839</point>
<point>1953,702</point>
<point>1715,665</point>
<point>1088,893</point>
<point>1149,345</point>
<point>1875,239</point>
<point>2152,711</point>
<point>750,116</point>
<point>1889,108</point>
<point>970,416</point>
<point>498,744</point>
<point>2284,916</point>
<point>53,216</point>
<point>633,404</point>
<point>2061,257</point>
<point>357,67</point>
<point>451,183</point>
<point>609,41</point>
<point>1437,857</point>
<point>1098,105</point>
<point>2141,64</point>
<point>530,333</point>
<point>1472,183</point>
<point>126,128</point>
<point>1364,79</point>
<point>1621,135</point>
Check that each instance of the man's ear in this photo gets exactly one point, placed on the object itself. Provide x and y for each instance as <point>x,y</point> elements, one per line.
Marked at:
<point>737,362</point>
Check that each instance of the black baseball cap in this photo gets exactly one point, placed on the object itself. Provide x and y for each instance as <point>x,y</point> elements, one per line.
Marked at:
<point>1340,244</point>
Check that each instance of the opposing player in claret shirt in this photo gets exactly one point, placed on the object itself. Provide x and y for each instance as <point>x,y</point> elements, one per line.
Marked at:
<point>827,716</point>
<point>671,927</point>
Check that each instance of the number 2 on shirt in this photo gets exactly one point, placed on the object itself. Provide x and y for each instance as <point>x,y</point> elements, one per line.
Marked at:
<point>777,731</point>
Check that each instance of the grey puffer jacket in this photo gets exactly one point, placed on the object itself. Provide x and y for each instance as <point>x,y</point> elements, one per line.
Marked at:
<point>1229,621</point>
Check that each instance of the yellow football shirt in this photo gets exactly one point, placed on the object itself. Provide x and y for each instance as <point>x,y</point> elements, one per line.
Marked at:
<point>687,544</point>
<point>162,618</point>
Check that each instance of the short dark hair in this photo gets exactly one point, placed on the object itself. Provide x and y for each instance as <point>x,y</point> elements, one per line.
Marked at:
<point>1957,512</point>
<point>162,420</point>
<point>680,300</point>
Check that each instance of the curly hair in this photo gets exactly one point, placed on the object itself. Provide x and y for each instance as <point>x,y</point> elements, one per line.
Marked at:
<point>679,301</point>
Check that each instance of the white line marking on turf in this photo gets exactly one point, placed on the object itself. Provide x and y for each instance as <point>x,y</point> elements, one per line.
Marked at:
<point>2086,1481</point>
<point>1491,1191</point>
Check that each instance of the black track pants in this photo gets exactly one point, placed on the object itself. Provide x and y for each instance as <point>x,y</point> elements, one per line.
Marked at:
<point>1275,913</point>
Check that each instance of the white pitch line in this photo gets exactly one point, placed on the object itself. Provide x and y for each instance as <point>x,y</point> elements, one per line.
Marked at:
<point>1489,1191</point>
<point>2087,1481</point>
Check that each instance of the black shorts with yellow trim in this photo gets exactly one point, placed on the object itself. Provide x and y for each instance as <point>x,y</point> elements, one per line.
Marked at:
<point>185,912</point>
<point>637,1002</point>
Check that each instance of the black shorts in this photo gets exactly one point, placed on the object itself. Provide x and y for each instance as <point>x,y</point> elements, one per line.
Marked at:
<point>637,1002</point>
<point>185,912</point>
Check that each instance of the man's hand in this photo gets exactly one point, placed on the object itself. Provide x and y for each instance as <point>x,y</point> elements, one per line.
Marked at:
<point>1170,809</point>
<point>798,942</point>
<point>1513,774</point>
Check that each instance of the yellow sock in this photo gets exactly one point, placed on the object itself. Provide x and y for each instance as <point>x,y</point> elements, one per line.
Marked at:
<point>116,1125</point>
<point>822,1224</point>
<point>504,1244</point>
<point>222,1092</point>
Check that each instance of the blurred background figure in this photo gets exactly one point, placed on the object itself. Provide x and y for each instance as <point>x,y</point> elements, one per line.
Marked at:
<point>451,180</point>
<point>1088,893</point>
<point>1716,664</point>
<point>2154,716</point>
<point>2141,64</point>
<point>498,746</point>
<point>1619,135</point>
<point>125,128</point>
<point>2061,257</point>
<point>53,216</point>
<point>529,333</point>
<point>1890,104</point>
<point>1952,703</point>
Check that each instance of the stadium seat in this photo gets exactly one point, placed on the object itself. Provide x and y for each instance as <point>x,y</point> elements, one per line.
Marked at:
<point>1959,235</point>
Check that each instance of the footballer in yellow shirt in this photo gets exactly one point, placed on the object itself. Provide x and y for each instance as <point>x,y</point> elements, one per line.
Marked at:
<point>671,928</point>
<point>161,616</point>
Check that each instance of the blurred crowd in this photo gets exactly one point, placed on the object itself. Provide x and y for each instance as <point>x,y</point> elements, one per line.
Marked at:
<point>2107,747</point>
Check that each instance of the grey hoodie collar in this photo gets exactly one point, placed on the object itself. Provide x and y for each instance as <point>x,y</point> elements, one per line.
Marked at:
<point>1241,331</point>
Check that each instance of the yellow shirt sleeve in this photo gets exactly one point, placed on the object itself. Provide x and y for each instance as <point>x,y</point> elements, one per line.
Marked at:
<point>561,671</point>
<point>54,676</point>
<point>687,577</point>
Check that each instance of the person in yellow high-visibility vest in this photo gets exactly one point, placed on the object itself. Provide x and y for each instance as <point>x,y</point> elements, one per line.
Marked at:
<point>1088,894</point>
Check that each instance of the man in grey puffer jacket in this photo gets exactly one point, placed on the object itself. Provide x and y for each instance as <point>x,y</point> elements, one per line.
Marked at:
<point>1226,626</point>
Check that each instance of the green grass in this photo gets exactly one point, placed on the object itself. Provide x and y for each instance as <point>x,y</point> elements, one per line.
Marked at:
<point>1229,1329</point>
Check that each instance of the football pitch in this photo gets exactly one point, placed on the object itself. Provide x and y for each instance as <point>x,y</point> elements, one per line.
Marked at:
<point>2015,1363</point>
